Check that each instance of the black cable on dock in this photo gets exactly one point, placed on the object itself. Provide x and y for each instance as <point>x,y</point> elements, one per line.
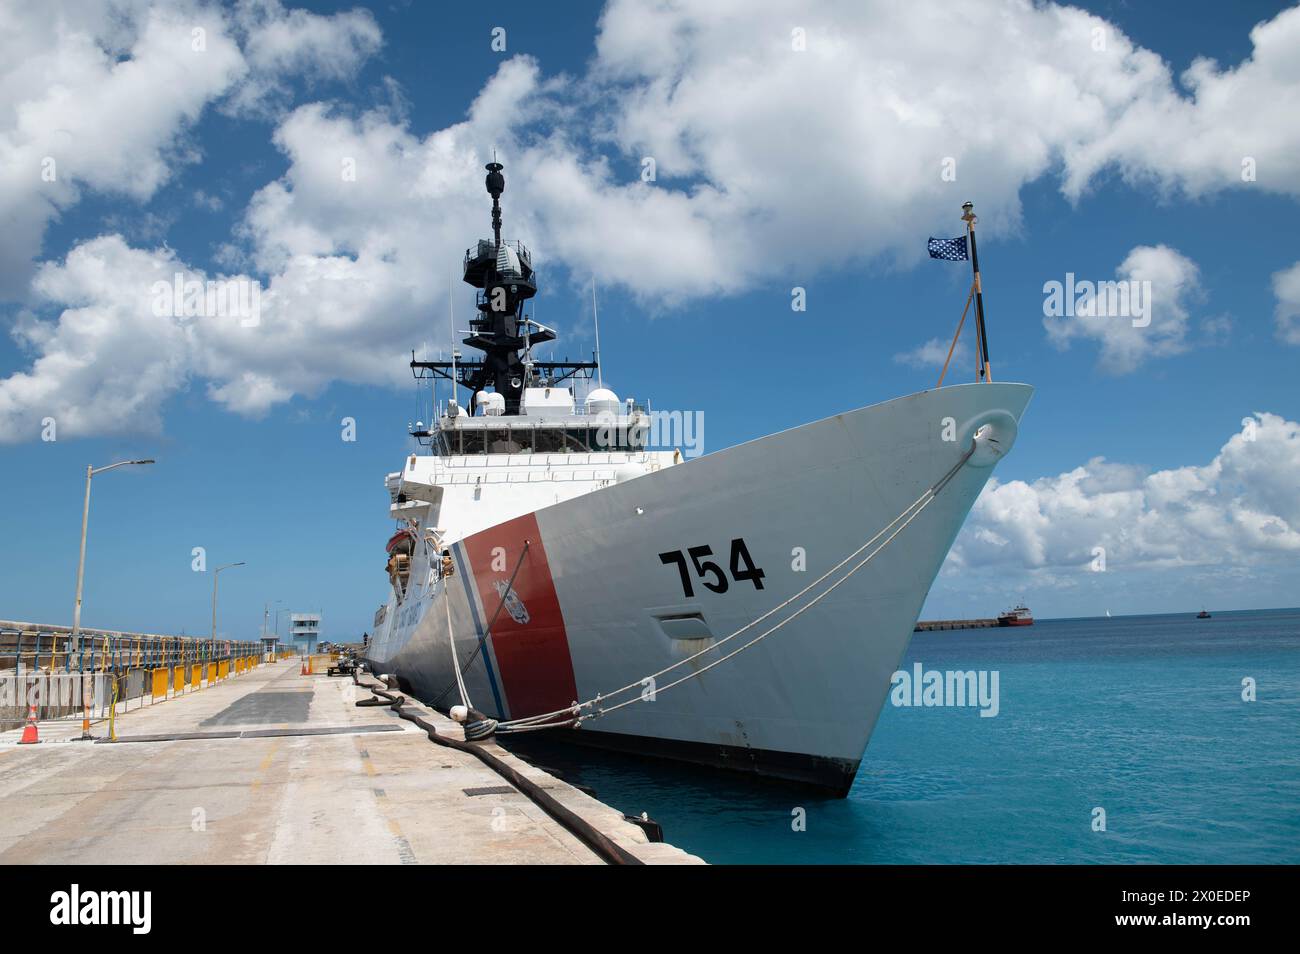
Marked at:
<point>604,846</point>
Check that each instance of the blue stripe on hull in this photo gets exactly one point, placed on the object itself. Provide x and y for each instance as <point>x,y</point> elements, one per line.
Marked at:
<point>462,569</point>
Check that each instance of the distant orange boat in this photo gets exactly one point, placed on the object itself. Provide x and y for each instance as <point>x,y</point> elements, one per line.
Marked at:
<point>1016,616</point>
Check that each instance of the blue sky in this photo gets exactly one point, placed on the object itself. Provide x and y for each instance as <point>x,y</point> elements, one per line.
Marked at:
<point>695,290</point>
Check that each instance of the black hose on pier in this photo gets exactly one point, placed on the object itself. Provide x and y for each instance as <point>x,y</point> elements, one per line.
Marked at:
<point>604,846</point>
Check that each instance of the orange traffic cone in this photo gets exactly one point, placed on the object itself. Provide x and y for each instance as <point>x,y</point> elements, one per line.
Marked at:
<point>302,669</point>
<point>29,731</point>
<point>85,712</point>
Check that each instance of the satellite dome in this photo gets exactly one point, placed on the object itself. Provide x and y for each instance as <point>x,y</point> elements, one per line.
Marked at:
<point>602,401</point>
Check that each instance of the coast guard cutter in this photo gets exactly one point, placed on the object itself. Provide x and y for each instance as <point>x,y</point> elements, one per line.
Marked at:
<point>744,609</point>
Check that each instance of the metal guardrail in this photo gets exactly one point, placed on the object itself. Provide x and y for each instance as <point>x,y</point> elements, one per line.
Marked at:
<point>485,250</point>
<point>67,677</point>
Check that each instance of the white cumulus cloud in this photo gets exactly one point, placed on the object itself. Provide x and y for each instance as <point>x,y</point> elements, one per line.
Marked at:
<point>108,363</point>
<point>932,354</point>
<point>1286,289</point>
<point>1239,509</point>
<point>281,44</point>
<point>102,96</point>
<point>95,97</point>
<point>772,158</point>
<point>1140,312</point>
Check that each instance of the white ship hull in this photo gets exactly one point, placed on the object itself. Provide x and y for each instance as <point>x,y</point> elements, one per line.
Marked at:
<point>598,607</point>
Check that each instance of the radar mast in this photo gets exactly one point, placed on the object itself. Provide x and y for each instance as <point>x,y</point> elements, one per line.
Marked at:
<point>502,271</point>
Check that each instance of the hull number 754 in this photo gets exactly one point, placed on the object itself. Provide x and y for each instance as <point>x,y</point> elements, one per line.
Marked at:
<point>709,573</point>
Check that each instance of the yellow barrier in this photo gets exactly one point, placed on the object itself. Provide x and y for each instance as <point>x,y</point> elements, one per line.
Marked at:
<point>159,684</point>
<point>210,672</point>
<point>223,669</point>
<point>196,677</point>
<point>178,679</point>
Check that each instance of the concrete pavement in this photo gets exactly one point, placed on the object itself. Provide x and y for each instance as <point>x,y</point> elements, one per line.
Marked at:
<point>271,767</point>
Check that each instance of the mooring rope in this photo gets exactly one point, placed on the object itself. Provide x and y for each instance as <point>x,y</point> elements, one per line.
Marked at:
<point>451,639</point>
<point>575,711</point>
<point>487,634</point>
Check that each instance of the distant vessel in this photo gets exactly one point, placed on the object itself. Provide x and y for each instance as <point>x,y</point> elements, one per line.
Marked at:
<point>1203,615</point>
<point>1019,615</point>
<point>1108,614</point>
<point>545,554</point>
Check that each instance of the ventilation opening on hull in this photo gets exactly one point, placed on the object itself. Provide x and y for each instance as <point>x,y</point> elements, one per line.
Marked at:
<point>683,626</point>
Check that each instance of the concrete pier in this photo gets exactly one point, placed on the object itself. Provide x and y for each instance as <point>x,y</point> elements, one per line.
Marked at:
<point>273,767</point>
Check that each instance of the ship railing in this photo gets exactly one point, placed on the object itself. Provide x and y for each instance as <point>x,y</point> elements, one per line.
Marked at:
<point>624,411</point>
<point>525,421</point>
<point>485,248</point>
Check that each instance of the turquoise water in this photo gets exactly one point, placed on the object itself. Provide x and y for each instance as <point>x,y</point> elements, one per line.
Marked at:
<point>1142,716</point>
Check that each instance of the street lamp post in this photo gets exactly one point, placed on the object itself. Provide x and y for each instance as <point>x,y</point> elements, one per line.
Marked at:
<point>75,638</point>
<point>215,574</point>
<point>85,520</point>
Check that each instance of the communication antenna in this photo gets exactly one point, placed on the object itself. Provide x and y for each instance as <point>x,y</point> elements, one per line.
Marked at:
<point>451,327</point>
<point>595,317</point>
<point>528,349</point>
